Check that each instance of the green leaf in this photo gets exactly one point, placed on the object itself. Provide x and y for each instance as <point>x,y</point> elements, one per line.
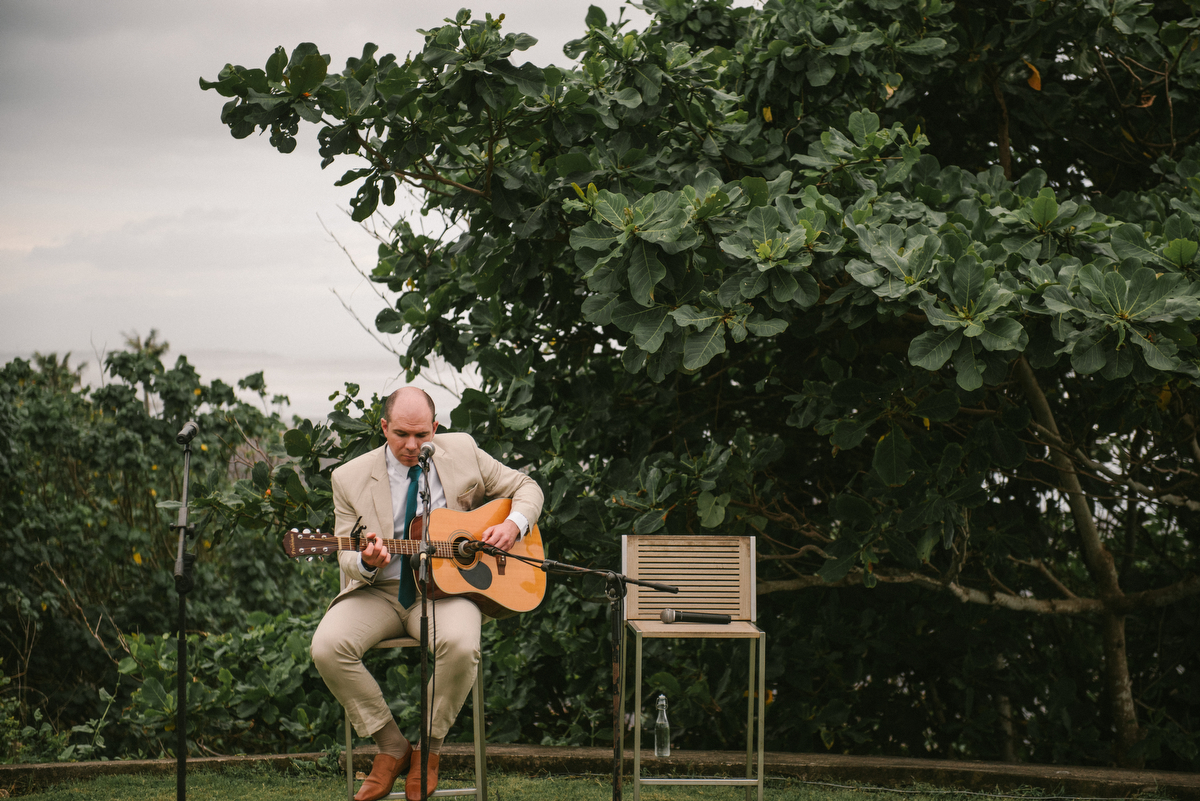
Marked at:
<point>891,458</point>
<point>1044,208</point>
<point>762,223</point>
<point>276,64</point>
<point>649,326</point>
<point>930,46</point>
<point>835,570</point>
<point>156,697</point>
<point>645,271</point>
<point>939,407</point>
<point>969,279</point>
<point>1003,333</point>
<point>596,18</point>
<point>699,319</point>
<point>611,207</point>
<point>1158,351</point>
<point>628,97</point>
<point>519,422</point>
<point>863,125</point>
<point>853,510</point>
<point>820,70</point>
<point>594,236</point>
<point>761,327</point>
<point>1128,242</point>
<point>529,79</point>
<point>1006,449</point>
<point>261,474</point>
<point>1088,355</point>
<point>712,508</point>
<point>756,190</point>
<point>650,522</point>
<point>1180,252</point>
<point>970,373</point>
<point>849,433</point>
<point>308,75</point>
<point>933,348</point>
<point>902,550</point>
<point>700,348</point>
<point>599,309</point>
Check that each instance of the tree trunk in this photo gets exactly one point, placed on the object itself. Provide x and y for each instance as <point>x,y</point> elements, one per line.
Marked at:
<point>1101,566</point>
<point>1003,147</point>
<point>1008,749</point>
<point>1120,690</point>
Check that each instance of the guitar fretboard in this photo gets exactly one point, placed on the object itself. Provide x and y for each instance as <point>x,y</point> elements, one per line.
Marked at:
<point>320,544</point>
<point>444,550</point>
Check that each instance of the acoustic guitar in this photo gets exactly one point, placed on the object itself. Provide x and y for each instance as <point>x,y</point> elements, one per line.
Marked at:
<point>499,586</point>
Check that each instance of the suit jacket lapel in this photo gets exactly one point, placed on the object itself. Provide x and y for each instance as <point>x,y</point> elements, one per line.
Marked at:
<point>381,496</point>
<point>450,473</point>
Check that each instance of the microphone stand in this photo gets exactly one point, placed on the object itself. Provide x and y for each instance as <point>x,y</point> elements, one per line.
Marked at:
<point>615,589</point>
<point>428,550</point>
<point>183,585</point>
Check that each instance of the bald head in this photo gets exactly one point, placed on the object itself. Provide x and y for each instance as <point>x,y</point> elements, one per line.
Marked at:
<point>408,423</point>
<point>409,396</point>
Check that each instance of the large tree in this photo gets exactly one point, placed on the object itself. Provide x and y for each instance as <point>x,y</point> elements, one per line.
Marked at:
<point>905,289</point>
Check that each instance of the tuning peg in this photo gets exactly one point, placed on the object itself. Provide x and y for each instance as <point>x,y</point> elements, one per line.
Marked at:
<point>310,558</point>
<point>308,531</point>
<point>292,531</point>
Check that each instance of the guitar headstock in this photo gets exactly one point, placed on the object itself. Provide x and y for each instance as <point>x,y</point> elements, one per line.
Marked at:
<point>308,543</point>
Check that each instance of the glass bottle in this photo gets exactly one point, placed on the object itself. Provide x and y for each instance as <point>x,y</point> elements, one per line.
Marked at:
<point>662,730</point>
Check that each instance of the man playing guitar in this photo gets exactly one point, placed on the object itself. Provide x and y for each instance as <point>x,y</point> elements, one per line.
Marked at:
<point>381,601</point>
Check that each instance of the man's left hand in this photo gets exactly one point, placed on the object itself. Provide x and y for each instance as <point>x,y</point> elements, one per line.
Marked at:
<point>502,535</point>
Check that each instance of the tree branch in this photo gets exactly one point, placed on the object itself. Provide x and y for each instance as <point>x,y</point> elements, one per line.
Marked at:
<point>1098,559</point>
<point>1017,603</point>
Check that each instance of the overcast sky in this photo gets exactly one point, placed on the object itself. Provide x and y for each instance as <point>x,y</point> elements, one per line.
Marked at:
<point>126,206</point>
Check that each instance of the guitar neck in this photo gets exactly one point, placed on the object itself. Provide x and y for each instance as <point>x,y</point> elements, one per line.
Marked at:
<point>442,549</point>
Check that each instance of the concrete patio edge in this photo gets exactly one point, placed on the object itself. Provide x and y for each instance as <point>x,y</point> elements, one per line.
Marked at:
<point>833,768</point>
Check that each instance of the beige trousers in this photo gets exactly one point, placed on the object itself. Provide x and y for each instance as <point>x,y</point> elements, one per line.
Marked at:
<point>359,619</point>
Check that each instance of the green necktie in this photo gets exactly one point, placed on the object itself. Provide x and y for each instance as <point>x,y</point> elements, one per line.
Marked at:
<point>408,587</point>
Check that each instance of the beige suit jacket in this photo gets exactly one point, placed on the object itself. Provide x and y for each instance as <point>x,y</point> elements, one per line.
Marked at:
<point>468,474</point>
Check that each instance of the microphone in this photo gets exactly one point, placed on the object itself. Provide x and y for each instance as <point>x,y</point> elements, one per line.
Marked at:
<point>189,430</point>
<point>468,548</point>
<point>426,453</point>
<point>672,616</point>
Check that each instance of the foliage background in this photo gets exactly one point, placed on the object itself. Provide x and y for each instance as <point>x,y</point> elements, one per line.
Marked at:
<point>907,290</point>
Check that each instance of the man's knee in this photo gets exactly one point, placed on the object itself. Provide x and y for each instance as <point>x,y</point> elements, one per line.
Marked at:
<point>327,652</point>
<point>458,651</point>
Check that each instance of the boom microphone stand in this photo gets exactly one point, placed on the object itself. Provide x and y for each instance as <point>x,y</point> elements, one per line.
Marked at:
<point>615,589</point>
<point>428,550</point>
<point>183,585</point>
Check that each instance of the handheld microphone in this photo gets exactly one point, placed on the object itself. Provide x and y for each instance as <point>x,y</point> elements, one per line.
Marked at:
<point>673,616</point>
<point>426,453</point>
<point>189,430</point>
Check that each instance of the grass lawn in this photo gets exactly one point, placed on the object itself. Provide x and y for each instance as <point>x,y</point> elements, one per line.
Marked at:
<point>265,784</point>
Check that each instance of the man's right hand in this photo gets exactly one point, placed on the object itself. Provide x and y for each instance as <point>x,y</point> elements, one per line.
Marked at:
<point>374,554</point>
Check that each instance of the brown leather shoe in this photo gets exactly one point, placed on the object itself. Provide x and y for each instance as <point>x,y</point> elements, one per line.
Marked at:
<point>384,772</point>
<point>412,787</point>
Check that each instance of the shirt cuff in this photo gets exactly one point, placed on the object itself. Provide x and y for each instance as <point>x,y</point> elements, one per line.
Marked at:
<point>367,572</point>
<point>521,521</point>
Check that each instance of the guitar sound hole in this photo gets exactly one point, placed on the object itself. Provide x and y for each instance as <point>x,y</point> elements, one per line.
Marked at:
<point>467,560</point>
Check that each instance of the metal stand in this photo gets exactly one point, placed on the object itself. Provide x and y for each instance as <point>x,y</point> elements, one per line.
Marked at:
<point>428,550</point>
<point>183,585</point>
<point>615,590</point>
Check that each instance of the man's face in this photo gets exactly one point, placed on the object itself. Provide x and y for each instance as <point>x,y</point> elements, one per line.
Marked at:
<point>411,426</point>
